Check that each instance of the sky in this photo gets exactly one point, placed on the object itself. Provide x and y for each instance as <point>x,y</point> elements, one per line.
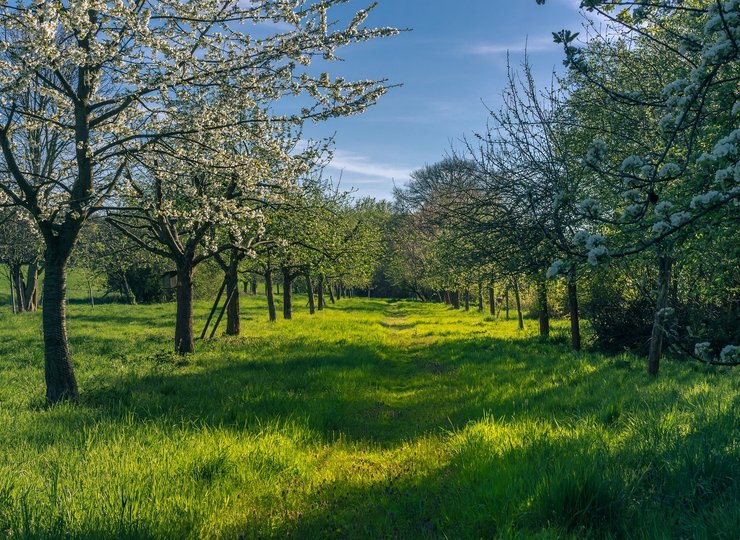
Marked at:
<point>452,65</point>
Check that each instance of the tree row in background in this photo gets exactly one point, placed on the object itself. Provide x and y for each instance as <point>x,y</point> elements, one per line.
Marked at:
<point>621,178</point>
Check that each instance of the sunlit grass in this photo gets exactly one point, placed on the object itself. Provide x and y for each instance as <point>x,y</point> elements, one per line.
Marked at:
<point>371,419</point>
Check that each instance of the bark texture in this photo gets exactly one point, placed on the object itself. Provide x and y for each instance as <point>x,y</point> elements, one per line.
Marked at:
<point>184,337</point>
<point>61,384</point>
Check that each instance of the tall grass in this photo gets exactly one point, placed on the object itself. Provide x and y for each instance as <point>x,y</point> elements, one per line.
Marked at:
<point>371,419</point>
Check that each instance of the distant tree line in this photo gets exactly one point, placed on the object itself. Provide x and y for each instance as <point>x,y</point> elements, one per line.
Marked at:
<point>621,179</point>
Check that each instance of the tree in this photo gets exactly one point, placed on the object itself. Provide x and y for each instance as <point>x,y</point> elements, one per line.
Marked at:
<point>105,79</point>
<point>20,246</point>
<point>680,62</point>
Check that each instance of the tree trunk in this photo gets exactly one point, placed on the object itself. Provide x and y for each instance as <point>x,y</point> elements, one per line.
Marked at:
<point>32,286</point>
<point>90,293</point>
<point>575,325</point>
<point>492,301</point>
<point>506,299</point>
<point>455,299</point>
<point>656,337</point>
<point>331,293</point>
<point>13,304</point>
<point>287,294</point>
<point>253,286</point>
<point>184,337</point>
<point>544,312</point>
<point>233,310</point>
<point>320,292</point>
<point>448,299</point>
<point>480,297</point>
<point>270,296</point>
<point>309,287</point>
<point>518,299</point>
<point>127,290</point>
<point>58,367</point>
<point>467,299</point>
<point>16,286</point>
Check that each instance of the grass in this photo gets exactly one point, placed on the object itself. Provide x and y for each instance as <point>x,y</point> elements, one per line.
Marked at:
<point>373,419</point>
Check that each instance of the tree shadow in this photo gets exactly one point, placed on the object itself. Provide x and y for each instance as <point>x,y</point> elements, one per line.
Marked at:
<point>368,393</point>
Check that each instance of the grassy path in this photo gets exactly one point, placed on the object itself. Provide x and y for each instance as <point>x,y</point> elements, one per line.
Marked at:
<point>374,419</point>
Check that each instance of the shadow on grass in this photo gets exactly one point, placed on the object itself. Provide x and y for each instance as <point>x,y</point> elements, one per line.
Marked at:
<point>572,487</point>
<point>387,390</point>
<point>366,393</point>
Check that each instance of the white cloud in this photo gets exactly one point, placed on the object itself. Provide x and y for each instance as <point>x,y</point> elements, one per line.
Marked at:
<point>539,44</point>
<point>356,164</point>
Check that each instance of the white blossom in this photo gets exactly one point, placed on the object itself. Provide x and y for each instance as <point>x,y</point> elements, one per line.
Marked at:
<point>580,238</point>
<point>730,353</point>
<point>679,218</point>
<point>661,227</point>
<point>663,208</point>
<point>554,269</point>
<point>590,207</point>
<point>594,240</point>
<point>597,255</point>
<point>631,163</point>
<point>669,170</point>
<point>701,350</point>
<point>596,153</point>
<point>705,199</point>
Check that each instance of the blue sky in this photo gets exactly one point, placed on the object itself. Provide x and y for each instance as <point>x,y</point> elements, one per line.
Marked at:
<point>450,64</point>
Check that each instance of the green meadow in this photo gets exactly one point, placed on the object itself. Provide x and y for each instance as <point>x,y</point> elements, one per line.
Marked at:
<point>372,419</point>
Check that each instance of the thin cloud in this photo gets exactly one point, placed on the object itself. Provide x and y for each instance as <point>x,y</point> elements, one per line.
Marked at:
<point>356,164</point>
<point>539,44</point>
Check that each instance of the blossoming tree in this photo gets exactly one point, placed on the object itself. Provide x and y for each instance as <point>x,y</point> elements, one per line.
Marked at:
<point>105,80</point>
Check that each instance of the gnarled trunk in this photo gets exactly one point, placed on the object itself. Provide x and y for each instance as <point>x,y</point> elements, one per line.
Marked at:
<point>184,337</point>
<point>58,367</point>
<point>331,293</point>
<point>656,338</point>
